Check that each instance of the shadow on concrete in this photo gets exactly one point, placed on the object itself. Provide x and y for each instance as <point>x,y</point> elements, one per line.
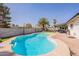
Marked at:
<point>5,53</point>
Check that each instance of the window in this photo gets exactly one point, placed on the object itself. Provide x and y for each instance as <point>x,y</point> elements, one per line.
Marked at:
<point>71,25</point>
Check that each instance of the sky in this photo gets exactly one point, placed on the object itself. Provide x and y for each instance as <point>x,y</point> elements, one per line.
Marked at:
<point>23,13</point>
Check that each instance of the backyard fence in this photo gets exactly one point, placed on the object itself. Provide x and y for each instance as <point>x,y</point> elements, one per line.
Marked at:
<point>8,32</point>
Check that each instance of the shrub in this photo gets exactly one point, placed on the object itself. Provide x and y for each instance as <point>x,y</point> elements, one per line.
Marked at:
<point>0,40</point>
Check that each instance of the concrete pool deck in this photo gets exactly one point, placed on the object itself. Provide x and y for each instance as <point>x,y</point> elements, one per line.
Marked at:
<point>61,50</point>
<point>6,49</point>
<point>72,43</point>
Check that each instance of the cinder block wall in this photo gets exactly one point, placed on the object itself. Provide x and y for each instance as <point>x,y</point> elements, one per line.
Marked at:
<point>7,32</point>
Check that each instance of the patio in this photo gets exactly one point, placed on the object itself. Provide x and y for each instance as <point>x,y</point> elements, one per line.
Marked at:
<point>72,43</point>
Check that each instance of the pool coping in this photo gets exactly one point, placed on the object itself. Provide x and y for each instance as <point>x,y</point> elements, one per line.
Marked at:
<point>60,50</point>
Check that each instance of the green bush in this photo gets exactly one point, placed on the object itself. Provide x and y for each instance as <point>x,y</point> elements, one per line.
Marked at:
<point>0,40</point>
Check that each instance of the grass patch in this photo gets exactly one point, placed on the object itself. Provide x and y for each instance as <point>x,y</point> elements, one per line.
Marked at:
<point>4,39</point>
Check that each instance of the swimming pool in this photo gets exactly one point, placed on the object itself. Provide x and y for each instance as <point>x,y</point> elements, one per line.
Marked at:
<point>32,44</point>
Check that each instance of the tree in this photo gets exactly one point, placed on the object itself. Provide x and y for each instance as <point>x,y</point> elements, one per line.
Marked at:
<point>63,26</point>
<point>6,24</point>
<point>43,22</point>
<point>4,16</point>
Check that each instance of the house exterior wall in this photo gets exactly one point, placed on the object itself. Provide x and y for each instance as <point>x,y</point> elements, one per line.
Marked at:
<point>75,30</point>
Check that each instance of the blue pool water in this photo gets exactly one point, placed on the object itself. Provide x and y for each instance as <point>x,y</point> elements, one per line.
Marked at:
<point>32,44</point>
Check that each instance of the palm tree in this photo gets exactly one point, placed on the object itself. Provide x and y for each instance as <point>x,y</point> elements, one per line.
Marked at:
<point>54,22</point>
<point>43,22</point>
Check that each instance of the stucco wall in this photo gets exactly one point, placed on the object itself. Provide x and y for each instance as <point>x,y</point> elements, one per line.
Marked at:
<point>75,30</point>
<point>7,32</point>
